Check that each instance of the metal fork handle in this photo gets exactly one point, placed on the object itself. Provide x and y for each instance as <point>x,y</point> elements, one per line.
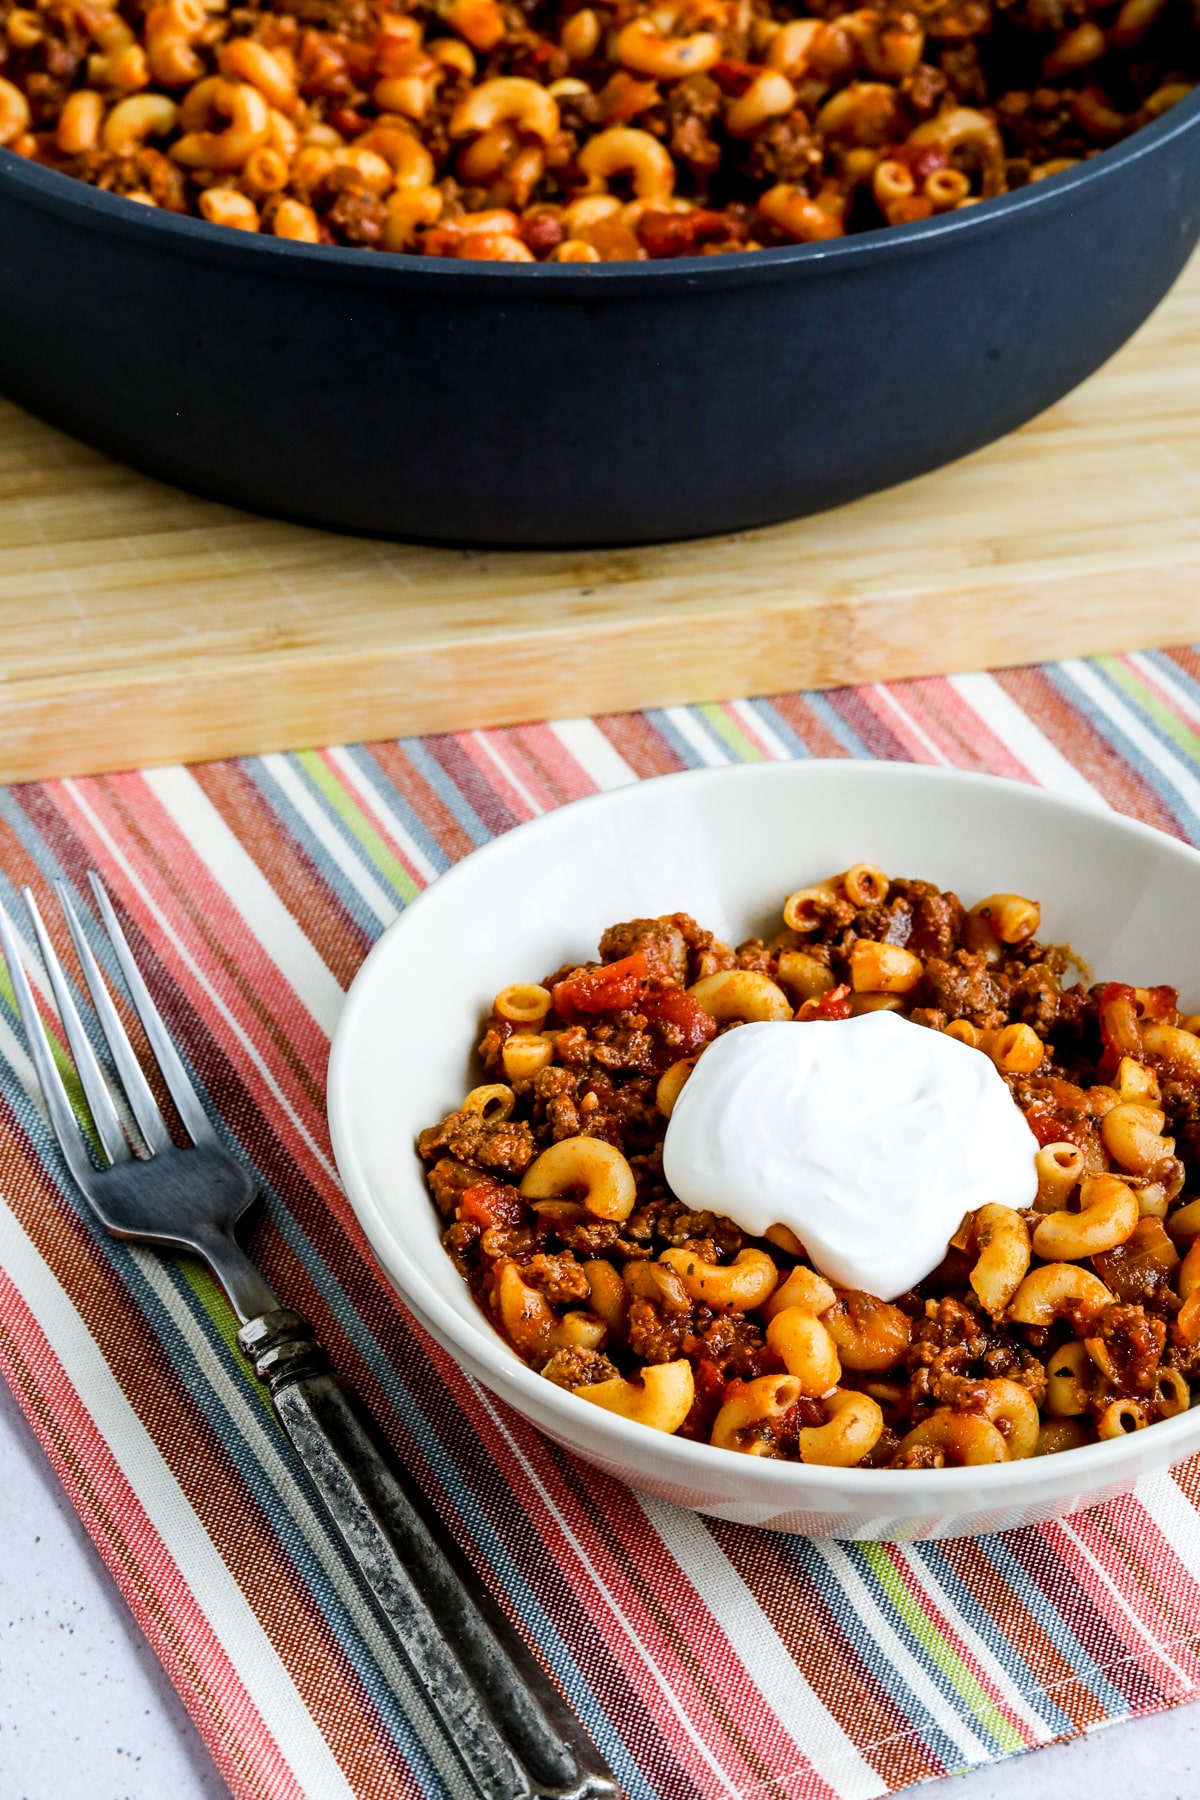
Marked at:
<point>510,1729</point>
<point>246,1287</point>
<point>515,1735</point>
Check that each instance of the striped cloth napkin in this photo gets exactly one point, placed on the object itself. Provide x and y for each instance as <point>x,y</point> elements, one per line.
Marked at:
<point>708,1660</point>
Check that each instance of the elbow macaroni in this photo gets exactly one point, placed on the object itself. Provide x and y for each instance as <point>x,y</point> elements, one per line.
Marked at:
<point>807,1350</point>
<point>1108,1212</point>
<point>662,1399</point>
<point>588,1165</point>
<point>742,1285</point>
<point>853,1426</point>
<point>751,1417</point>
<point>711,129</point>
<point>1002,1239</point>
<point>741,994</point>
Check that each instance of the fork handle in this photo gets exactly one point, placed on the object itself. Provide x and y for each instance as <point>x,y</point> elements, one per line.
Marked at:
<point>505,1719</point>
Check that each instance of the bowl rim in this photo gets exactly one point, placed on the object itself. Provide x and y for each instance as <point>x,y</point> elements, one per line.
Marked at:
<point>1100,1464</point>
<point>91,207</point>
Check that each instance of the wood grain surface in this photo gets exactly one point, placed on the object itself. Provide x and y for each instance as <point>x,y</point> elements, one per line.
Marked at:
<point>141,625</point>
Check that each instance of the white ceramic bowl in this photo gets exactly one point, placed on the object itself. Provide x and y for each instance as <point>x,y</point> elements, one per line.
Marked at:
<point>727,845</point>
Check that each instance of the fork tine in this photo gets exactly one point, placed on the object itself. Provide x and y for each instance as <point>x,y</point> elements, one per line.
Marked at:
<point>62,1117</point>
<point>104,1113</point>
<point>142,1103</point>
<point>174,1074</point>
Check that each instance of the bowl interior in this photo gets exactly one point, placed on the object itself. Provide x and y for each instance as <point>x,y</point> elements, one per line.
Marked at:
<point>726,846</point>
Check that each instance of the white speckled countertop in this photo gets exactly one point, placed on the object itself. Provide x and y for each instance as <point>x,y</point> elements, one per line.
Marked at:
<point>86,1712</point>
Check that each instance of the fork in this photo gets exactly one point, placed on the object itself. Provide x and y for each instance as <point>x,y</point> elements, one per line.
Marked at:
<point>514,1735</point>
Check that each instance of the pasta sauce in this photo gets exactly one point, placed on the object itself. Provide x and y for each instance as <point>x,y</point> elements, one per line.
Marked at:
<point>869,1140</point>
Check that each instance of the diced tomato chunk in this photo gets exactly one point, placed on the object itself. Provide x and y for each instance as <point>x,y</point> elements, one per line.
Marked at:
<point>541,233</point>
<point>349,122</point>
<point>683,234</point>
<point>710,1379</point>
<point>1051,1127</point>
<point>834,1004</point>
<point>488,1203</point>
<point>617,987</point>
<point>733,76</point>
<point>681,1022</point>
<point>801,1417</point>
<point>923,160</point>
<point>1045,1125</point>
<point>1158,1002</point>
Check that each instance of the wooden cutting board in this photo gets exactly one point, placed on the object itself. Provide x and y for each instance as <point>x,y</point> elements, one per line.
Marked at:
<point>140,625</point>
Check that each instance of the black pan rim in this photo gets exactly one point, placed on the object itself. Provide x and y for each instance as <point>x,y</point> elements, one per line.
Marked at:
<point>109,214</point>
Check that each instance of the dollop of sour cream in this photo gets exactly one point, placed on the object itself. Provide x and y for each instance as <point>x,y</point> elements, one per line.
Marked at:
<point>869,1137</point>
